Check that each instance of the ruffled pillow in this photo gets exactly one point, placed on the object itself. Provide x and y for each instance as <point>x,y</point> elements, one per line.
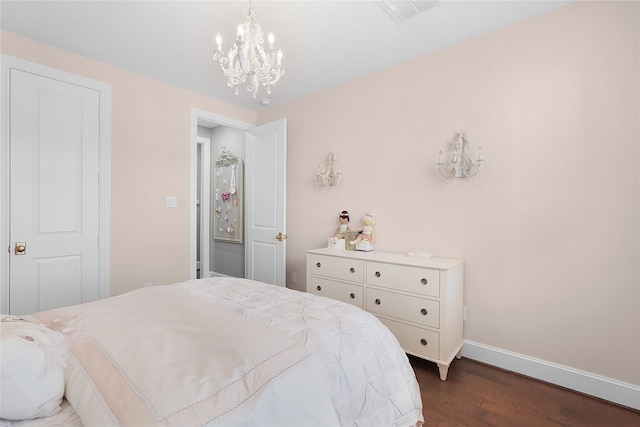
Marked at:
<point>32,374</point>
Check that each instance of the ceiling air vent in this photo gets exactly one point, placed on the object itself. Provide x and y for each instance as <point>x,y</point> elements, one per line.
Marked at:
<point>404,10</point>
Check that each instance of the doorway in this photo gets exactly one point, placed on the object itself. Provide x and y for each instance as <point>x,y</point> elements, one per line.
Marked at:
<point>203,124</point>
<point>220,253</point>
<point>265,200</point>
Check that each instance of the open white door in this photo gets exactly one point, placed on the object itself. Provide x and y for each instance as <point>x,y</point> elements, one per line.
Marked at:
<point>266,159</point>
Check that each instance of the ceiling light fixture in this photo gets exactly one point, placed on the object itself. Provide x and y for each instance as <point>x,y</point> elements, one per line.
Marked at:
<point>247,61</point>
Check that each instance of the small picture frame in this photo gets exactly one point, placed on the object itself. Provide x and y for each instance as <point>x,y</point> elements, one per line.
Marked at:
<point>349,237</point>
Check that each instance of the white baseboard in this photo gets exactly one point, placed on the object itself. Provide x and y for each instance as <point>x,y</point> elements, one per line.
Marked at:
<point>584,382</point>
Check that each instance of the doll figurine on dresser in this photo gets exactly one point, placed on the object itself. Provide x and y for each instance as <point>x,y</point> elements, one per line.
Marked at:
<point>338,240</point>
<point>344,225</point>
<point>364,241</point>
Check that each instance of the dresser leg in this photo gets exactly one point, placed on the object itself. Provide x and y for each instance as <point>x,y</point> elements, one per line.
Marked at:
<point>459,355</point>
<point>444,370</point>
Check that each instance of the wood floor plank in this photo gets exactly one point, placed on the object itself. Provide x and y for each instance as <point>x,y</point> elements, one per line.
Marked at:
<point>479,395</point>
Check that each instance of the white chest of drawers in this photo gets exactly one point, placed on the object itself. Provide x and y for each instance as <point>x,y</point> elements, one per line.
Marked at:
<point>419,299</point>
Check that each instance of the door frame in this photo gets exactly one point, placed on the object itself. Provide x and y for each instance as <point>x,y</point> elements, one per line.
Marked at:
<point>204,202</point>
<point>104,171</point>
<point>205,119</point>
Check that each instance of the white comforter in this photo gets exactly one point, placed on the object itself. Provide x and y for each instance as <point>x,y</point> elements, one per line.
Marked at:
<point>356,373</point>
<point>372,382</point>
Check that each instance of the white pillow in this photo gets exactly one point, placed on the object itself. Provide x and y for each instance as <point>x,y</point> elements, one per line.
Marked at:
<point>32,374</point>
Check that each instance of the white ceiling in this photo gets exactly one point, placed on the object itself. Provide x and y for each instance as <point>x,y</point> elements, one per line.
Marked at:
<point>325,43</point>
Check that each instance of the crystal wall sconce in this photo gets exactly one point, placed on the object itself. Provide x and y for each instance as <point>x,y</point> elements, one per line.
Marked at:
<point>329,173</point>
<point>459,163</point>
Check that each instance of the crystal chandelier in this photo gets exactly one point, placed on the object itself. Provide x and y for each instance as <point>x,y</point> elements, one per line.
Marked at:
<point>460,163</point>
<point>247,61</point>
<point>330,173</point>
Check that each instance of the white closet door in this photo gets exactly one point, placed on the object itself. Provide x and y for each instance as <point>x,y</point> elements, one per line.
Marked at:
<point>54,193</point>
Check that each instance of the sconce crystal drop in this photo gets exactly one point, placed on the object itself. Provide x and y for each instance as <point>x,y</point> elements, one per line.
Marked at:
<point>330,173</point>
<point>459,163</point>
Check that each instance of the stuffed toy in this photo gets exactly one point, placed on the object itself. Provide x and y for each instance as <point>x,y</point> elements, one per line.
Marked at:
<point>366,232</point>
<point>344,225</point>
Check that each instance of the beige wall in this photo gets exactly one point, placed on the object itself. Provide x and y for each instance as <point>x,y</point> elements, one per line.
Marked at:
<point>151,137</point>
<point>550,229</point>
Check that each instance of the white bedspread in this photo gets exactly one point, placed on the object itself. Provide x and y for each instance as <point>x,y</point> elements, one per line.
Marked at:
<point>356,373</point>
<point>372,382</point>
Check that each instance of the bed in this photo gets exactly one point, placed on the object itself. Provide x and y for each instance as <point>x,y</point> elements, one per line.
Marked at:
<point>222,352</point>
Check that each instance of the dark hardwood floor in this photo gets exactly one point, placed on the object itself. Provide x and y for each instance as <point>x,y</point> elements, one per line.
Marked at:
<point>478,395</point>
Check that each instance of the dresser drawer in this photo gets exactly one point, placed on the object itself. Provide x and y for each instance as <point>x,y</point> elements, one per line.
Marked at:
<point>352,294</point>
<point>410,279</point>
<point>337,268</point>
<point>415,340</point>
<point>413,309</point>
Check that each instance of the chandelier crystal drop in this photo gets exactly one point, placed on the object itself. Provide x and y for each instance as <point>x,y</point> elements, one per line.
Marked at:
<point>248,61</point>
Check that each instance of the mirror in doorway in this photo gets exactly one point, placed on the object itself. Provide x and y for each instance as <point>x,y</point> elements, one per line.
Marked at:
<point>228,198</point>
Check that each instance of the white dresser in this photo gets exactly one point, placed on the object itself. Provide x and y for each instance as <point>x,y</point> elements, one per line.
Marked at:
<point>419,299</point>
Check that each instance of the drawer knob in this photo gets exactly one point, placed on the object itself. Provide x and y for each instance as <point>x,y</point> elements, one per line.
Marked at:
<point>424,311</point>
<point>423,341</point>
<point>377,301</point>
<point>352,295</point>
<point>424,281</point>
<point>319,287</point>
<point>378,274</point>
<point>352,270</point>
<point>318,265</point>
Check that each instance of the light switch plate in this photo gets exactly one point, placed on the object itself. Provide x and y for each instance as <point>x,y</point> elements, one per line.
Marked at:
<point>172,202</point>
